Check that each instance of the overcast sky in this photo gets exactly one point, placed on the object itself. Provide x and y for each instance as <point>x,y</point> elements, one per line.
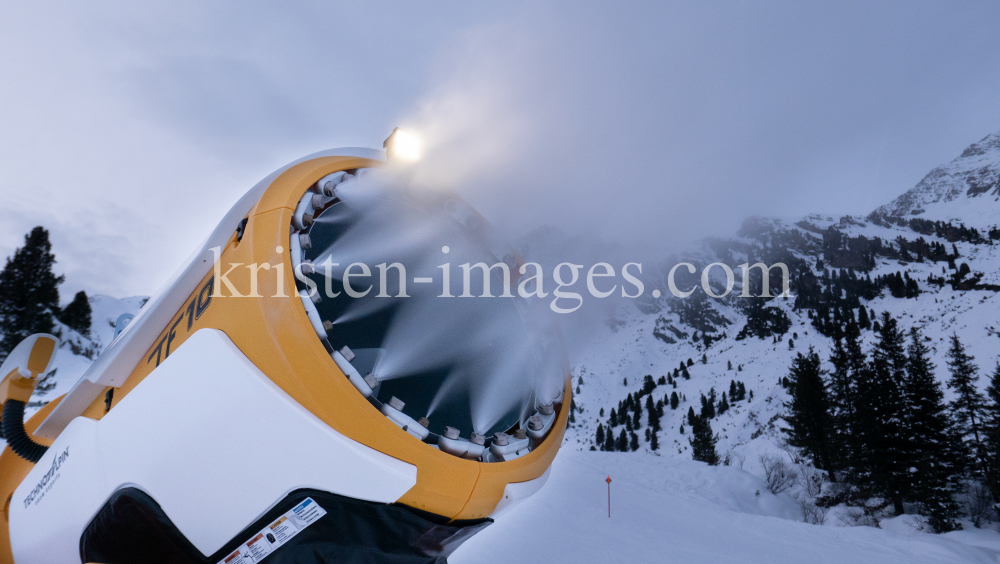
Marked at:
<point>129,128</point>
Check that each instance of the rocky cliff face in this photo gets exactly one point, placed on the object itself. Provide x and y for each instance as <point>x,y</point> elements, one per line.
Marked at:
<point>971,180</point>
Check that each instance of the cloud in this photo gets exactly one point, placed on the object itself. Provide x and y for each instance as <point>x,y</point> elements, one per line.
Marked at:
<point>130,128</point>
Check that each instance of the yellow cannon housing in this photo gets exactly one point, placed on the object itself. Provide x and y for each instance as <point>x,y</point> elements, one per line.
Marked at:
<point>254,411</point>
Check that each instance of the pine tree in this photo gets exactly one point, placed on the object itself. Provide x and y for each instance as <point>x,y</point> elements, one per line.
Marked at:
<point>842,397</point>
<point>707,408</point>
<point>609,442</point>
<point>654,443</point>
<point>599,437</point>
<point>613,418</point>
<point>863,321</point>
<point>991,426</point>
<point>881,463</point>
<point>968,406</point>
<point>633,442</point>
<point>935,481</point>
<point>654,415</point>
<point>674,400</point>
<point>622,444</point>
<point>685,373</point>
<point>29,291</point>
<point>76,315</point>
<point>703,442</point>
<point>808,413</point>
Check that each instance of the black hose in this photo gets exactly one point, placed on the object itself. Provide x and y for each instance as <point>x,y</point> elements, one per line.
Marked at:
<point>17,437</point>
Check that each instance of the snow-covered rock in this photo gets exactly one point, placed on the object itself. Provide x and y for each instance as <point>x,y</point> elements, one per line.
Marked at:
<point>965,190</point>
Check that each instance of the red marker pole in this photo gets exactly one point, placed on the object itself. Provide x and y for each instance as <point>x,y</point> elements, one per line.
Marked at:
<point>609,496</point>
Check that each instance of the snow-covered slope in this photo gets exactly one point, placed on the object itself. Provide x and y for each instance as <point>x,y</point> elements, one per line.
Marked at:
<point>623,352</point>
<point>77,352</point>
<point>669,505</point>
<point>630,350</point>
<point>105,311</point>
<point>674,510</point>
<point>965,190</point>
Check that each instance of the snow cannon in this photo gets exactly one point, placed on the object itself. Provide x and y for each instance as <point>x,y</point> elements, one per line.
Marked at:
<point>344,371</point>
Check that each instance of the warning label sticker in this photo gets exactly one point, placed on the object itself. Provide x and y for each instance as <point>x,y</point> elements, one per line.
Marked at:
<point>271,537</point>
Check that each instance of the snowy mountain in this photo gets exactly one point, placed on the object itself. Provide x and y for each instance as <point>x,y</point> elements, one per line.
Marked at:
<point>634,345</point>
<point>965,190</point>
<point>925,240</point>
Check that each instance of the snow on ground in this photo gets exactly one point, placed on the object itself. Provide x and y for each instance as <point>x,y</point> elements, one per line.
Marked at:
<point>673,510</point>
<point>106,311</point>
<point>70,364</point>
<point>628,350</point>
<point>668,507</point>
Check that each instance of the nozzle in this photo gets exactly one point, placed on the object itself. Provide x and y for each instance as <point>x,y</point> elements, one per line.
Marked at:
<point>535,423</point>
<point>394,411</point>
<point>347,352</point>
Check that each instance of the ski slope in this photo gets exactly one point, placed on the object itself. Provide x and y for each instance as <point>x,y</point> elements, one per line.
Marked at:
<point>667,509</point>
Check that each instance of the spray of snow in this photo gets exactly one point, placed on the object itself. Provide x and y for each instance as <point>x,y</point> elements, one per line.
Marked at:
<point>501,352</point>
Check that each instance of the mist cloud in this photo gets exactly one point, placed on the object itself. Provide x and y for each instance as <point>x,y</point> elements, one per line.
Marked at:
<point>130,128</point>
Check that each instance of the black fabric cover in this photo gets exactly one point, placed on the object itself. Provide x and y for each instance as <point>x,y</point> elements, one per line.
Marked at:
<point>132,529</point>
